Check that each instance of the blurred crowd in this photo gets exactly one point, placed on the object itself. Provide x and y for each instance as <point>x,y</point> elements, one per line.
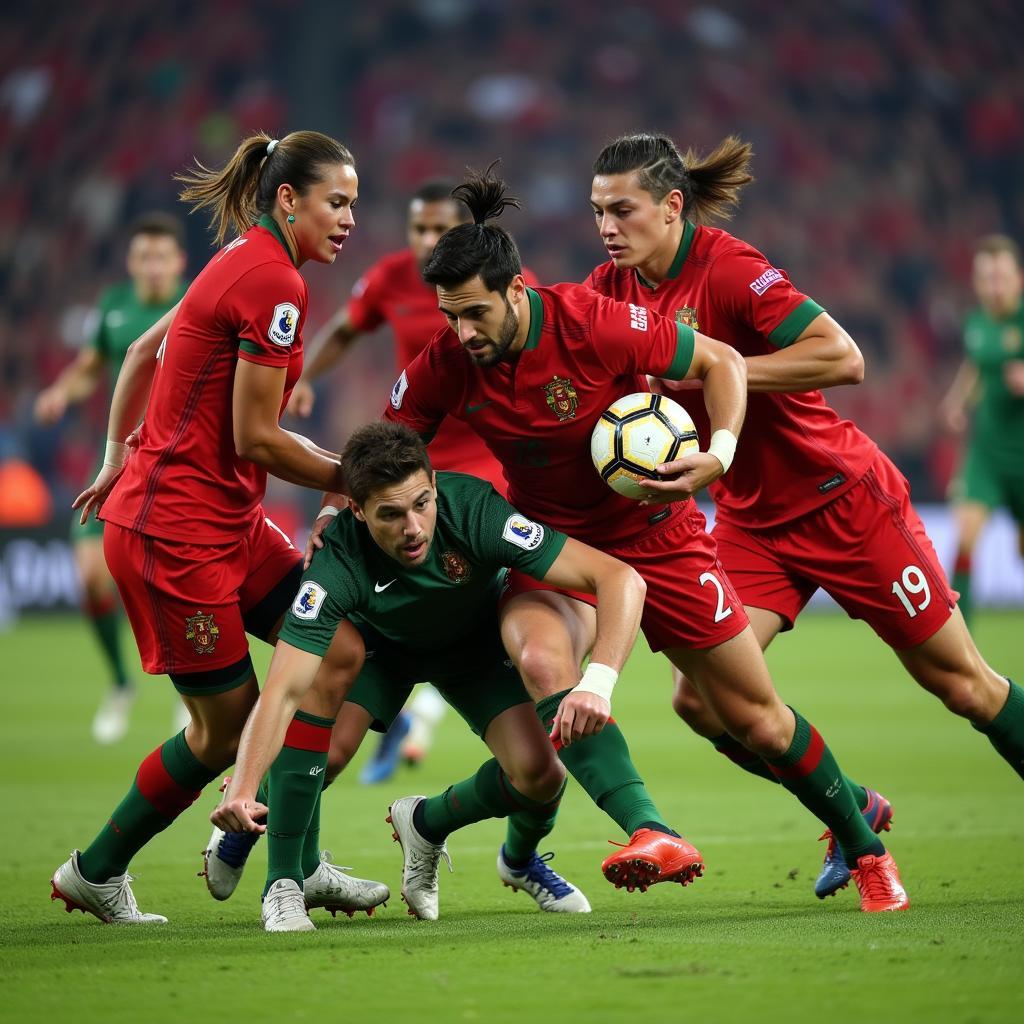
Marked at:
<point>888,136</point>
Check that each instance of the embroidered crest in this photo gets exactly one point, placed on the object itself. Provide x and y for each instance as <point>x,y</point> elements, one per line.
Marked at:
<point>456,568</point>
<point>687,315</point>
<point>562,398</point>
<point>203,632</point>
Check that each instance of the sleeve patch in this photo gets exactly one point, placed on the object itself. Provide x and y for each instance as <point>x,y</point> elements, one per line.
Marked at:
<point>761,284</point>
<point>523,532</point>
<point>638,317</point>
<point>308,601</point>
<point>399,390</point>
<point>283,324</point>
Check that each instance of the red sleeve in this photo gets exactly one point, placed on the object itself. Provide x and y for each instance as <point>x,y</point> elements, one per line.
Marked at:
<point>364,309</point>
<point>423,394</point>
<point>633,339</point>
<point>265,309</point>
<point>750,291</point>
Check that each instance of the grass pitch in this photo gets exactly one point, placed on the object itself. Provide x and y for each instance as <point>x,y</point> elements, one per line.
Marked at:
<point>747,942</point>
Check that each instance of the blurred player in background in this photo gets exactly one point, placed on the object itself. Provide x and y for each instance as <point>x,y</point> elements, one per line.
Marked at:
<point>155,264</point>
<point>810,500</point>
<point>991,378</point>
<point>197,562</point>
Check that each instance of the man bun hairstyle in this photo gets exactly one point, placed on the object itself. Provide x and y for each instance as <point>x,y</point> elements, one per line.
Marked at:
<point>710,184</point>
<point>246,186</point>
<point>478,249</point>
<point>380,455</point>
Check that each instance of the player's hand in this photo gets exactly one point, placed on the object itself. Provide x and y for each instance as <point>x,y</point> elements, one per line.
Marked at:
<point>1013,376</point>
<point>50,405</point>
<point>92,498</point>
<point>953,417</point>
<point>316,541</point>
<point>239,814</point>
<point>302,398</point>
<point>682,478</point>
<point>580,714</point>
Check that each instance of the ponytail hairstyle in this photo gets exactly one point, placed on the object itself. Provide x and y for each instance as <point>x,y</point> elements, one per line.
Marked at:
<point>477,249</point>
<point>710,184</point>
<point>246,186</point>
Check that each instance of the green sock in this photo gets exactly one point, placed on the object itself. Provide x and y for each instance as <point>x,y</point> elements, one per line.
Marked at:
<point>106,624</point>
<point>1006,731</point>
<point>962,584</point>
<point>488,794</point>
<point>296,778</point>
<point>311,843</point>
<point>750,762</point>
<point>167,782</point>
<point>809,771</point>
<point>602,766</point>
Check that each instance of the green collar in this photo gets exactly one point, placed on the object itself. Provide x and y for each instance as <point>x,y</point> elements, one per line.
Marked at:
<point>268,222</point>
<point>680,258</point>
<point>536,319</point>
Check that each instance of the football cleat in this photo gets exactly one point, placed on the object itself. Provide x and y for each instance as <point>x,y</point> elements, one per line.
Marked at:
<point>551,891</point>
<point>284,908</point>
<point>329,887</point>
<point>111,720</point>
<point>650,857</point>
<point>420,859</point>
<point>834,874</point>
<point>879,885</point>
<point>384,762</point>
<point>224,860</point>
<point>112,901</point>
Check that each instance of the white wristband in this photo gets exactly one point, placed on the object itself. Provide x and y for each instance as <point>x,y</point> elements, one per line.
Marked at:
<point>115,455</point>
<point>327,510</point>
<point>723,447</point>
<point>599,679</point>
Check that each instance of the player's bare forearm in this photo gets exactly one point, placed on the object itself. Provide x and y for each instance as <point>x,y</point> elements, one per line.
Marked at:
<point>79,380</point>
<point>824,356</point>
<point>725,393</point>
<point>131,392</point>
<point>329,345</point>
<point>313,446</point>
<point>280,453</point>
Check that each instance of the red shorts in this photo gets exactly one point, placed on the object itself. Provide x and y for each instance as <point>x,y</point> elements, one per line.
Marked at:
<point>185,602</point>
<point>690,601</point>
<point>868,549</point>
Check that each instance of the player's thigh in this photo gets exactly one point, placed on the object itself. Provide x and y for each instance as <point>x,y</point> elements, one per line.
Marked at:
<point>181,600</point>
<point>385,680</point>
<point>92,566</point>
<point>272,575</point>
<point>522,748</point>
<point>340,668</point>
<point>970,518</point>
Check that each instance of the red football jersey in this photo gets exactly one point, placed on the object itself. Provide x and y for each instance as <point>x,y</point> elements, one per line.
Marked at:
<point>795,453</point>
<point>536,412</point>
<point>393,292</point>
<point>186,482</point>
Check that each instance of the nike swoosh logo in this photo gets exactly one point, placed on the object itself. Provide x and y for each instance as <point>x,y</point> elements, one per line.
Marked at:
<point>477,408</point>
<point>316,770</point>
<point>379,589</point>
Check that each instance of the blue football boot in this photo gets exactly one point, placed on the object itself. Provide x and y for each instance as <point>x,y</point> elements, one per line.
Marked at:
<point>384,762</point>
<point>835,875</point>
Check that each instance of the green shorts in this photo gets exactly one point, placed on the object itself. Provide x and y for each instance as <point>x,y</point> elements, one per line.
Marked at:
<point>480,682</point>
<point>984,480</point>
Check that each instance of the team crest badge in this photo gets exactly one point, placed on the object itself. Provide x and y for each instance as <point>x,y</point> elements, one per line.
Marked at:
<point>456,568</point>
<point>562,398</point>
<point>203,632</point>
<point>687,315</point>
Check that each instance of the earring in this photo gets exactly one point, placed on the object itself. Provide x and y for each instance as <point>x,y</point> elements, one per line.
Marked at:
<point>291,218</point>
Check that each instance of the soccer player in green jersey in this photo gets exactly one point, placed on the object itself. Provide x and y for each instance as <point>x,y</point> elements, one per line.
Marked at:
<point>992,376</point>
<point>155,263</point>
<point>417,564</point>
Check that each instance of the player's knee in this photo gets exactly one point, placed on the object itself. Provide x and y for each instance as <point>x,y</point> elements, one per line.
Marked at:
<point>688,704</point>
<point>762,733</point>
<point>338,758</point>
<point>538,777</point>
<point>966,696</point>
<point>216,748</point>
<point>545,669</point>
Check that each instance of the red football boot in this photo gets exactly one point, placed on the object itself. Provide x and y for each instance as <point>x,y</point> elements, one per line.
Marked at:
<point>879,885</point>
<point>651,857</point>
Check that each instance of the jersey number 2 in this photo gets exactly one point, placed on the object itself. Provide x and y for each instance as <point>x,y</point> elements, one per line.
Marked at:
<point>723,611</point>
<point>913,583</point>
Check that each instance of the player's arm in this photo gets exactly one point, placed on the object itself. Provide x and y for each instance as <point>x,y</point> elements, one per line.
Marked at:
<point>823,356</point>
<point>260,438</point>
<point>328,346</point>
<point>620,593</point>
<point>76,382</point>
<point>127,404</point>
<point>953,408</point>
<point>291,674</point>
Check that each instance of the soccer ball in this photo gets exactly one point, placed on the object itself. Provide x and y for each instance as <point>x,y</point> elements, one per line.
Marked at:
<point>634,435</point>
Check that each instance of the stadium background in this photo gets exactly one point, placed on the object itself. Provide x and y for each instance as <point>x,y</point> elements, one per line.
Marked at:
<point>888,134</point>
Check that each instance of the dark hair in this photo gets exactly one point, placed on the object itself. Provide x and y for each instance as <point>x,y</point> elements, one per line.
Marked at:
<point>710,185</point>
<point>992,245</point>
<point>379,455</point>
<point>246,186</point>
<point>439,190</point>
<point>479,248</point>
<point>160,224</point>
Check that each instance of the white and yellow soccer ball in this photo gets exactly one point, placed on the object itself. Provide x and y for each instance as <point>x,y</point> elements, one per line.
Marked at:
<point>636,434</point>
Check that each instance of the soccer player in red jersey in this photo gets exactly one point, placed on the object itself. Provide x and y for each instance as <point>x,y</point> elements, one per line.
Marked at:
<point>531,370</point>
<point>196,561</point>
<point>810,501</point>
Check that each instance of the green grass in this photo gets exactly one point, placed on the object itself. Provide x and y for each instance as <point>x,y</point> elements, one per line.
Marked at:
<point>748,942</point>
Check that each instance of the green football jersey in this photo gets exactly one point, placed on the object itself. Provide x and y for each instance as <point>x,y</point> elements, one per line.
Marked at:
<point>447,601</point>
<point>999,416</point>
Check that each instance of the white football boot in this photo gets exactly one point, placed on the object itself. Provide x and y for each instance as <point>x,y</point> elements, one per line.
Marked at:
<point>551,891</point>
<point>421,859</point>
<point>284,909</point>
<point>112,901</point>
<point>111,720</point>
<point>329,887</point>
